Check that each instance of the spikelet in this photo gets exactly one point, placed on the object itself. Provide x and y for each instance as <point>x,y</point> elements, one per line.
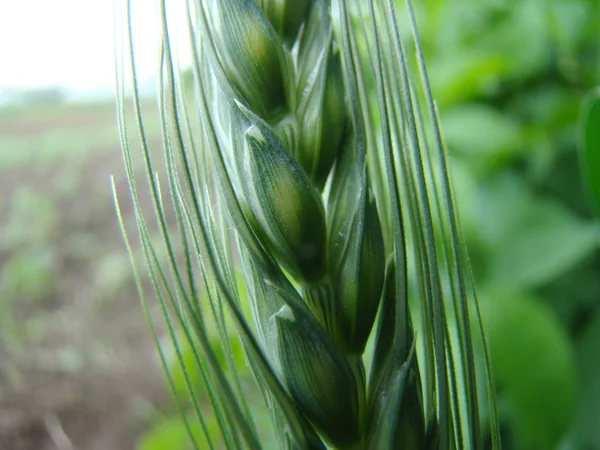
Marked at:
<point>284,151</point>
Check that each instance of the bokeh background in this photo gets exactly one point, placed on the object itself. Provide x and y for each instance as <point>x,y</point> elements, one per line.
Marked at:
<point>77,366</point>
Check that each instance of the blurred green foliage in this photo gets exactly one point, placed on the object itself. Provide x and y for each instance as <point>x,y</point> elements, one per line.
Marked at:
<point>590,145</point>
<point>537,387</point>
<point>510,77</point>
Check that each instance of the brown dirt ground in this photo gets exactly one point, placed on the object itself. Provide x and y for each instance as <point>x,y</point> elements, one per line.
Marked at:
<point>97,405</point>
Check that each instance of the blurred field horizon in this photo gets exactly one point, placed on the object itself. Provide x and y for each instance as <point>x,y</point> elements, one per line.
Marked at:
<point>78,368</point>
<point>76,360</point>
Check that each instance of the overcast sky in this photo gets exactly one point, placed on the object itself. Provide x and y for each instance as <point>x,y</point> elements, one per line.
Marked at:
<point>69,43</point>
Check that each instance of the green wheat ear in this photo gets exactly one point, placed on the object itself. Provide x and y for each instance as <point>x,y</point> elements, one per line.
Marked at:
<point>286,198</point>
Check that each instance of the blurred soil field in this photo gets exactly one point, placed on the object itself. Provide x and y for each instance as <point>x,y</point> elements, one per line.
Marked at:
<point>77,364</point>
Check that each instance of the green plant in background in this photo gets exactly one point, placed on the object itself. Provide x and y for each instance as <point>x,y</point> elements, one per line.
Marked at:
<point>358,318</point>
<point>589,366</point>
<point>590,146</point>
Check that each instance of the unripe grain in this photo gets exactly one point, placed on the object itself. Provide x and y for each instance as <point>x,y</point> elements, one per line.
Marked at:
<point>324,383</point>
<point>323,120</point>
<point>252,57</point>
<point>356,251</point>
<point>285,15</point>
<point>287,208</point>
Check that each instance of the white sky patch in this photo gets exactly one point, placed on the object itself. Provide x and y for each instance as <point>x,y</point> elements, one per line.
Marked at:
<point>70,43</point>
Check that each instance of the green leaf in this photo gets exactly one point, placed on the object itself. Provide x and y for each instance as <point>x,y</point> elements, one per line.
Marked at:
<point>466,74</point>
<point>530,240</point>
<point>466,191</point>
<point>552,108</point>
<point>522,36</point>
<point>586,425</point>
<point>590,146</point>
<point>568,22</point>
<point>544,241</point>
<point>534,366</point>
<point>483,135</point>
